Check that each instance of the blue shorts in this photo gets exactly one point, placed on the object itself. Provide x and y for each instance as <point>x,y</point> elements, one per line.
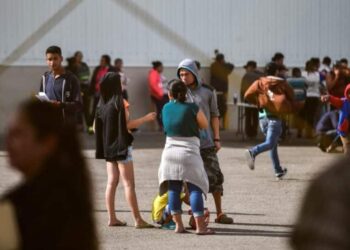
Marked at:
<point>128,157</point>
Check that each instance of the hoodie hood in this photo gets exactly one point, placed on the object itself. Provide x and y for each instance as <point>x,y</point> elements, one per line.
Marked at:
<point>189,65</point>
<point>346,92</point>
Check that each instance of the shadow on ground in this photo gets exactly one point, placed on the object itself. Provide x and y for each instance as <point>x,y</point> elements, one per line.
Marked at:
<point>156,140</point>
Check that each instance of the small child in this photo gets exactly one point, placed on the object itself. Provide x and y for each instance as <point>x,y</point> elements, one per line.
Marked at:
<point>343,104</point>
<point>161,213</point>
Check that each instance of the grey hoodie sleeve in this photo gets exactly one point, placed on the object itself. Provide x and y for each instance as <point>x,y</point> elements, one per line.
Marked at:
<point>214,111</point>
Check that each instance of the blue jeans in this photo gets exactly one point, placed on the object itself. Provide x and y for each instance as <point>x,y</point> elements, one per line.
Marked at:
<point>272,129</point>
<point>196,198</point>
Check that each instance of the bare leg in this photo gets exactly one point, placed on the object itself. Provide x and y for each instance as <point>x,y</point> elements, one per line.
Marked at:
<point>127,175</point>
<point>179,224</point>
<point>202,226</point>
<point>217,200</point>
<point>220,216</point>
<point>112,183</point>
<point>346,144</point>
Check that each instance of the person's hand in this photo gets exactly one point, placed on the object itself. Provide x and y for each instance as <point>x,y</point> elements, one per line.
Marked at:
<point>150,116</point>
<point>336,71</point>
<point>325,98</point>
<point>217,145</point>
<point>56,103</point>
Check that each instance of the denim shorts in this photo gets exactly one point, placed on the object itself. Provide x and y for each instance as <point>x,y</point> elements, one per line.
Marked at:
<point>128,157</point>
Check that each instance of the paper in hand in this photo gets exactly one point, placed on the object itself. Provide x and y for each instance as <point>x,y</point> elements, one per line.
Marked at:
<point>42,97</point>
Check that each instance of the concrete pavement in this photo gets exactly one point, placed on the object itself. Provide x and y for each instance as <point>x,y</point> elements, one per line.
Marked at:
<point>264,209</point>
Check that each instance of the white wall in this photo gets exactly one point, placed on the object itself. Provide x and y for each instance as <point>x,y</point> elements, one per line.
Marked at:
<point>140,31</point>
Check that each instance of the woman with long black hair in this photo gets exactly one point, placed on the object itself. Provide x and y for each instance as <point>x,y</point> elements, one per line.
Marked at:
<point>114,144</point>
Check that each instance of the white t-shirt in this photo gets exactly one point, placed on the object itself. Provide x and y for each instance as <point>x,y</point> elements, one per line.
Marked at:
<point>313,83</point>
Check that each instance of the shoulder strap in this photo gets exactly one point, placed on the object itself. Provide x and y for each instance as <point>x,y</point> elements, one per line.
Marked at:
<point>63,90</point>
<point>43,83</point>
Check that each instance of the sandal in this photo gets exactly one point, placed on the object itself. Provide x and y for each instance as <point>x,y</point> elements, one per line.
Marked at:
<point>206,232</point>
<point>144,225</point>
<point>118,224</point>
<point>183,232</point>
<point>223,219</point>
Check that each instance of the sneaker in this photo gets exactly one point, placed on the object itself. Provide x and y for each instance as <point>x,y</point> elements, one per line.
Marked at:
<point>250,159</point>
<point>169,226</point>
<point>279,176</point>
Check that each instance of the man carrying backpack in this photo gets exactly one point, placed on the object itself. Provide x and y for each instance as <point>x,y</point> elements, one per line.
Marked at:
<point>274,97</point>
<point>61,86</point>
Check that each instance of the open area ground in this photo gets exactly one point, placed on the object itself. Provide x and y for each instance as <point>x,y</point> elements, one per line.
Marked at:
<point>264,209</point>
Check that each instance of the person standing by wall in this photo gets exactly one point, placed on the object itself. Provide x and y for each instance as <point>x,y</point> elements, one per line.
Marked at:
<point>61,86</point>
<point>157,88</point>
<point>251,114</point>
<point>119,68</point>
<point>298,83</point>
<point>82,72</point>
<point>219,72</point>
<point>204,96</point>
<point>311,110</point>
<point>97,75</point>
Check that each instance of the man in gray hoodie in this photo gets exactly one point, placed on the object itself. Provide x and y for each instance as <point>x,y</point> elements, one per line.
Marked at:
<point>204,96</point>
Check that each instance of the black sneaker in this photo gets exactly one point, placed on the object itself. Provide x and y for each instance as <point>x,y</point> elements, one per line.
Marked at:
<point>279,176</point>
<point>250,159</point>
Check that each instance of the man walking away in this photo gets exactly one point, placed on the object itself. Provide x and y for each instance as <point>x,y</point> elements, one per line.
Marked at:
<point>251,114</point>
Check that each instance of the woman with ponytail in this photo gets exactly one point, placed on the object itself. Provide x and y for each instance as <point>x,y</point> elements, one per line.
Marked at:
<point>181,162</point>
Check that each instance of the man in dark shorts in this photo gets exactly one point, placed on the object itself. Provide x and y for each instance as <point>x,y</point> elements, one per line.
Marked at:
<point>204,96</point>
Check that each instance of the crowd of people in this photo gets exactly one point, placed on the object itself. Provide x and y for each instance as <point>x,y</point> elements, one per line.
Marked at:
<point>47,152</point>
<point>314,86</point>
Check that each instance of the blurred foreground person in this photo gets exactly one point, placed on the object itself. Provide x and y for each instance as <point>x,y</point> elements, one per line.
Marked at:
<point>52,207</point>
<point>324,219</point>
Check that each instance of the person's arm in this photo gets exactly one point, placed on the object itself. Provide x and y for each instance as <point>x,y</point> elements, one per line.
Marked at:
<point>214,120</point>
<point>131,124</point>
<point>202,120</point>
<point>331,79</point>
<point>251,95</point>
<point>289,92</point>
<point>334,101</point>
<point>215,125</point>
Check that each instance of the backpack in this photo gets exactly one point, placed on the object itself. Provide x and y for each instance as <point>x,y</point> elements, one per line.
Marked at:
<point>274,95</point>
